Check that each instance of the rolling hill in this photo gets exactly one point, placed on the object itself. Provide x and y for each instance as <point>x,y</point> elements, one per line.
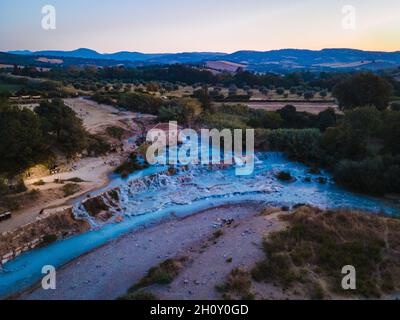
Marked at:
<point>284,60</point>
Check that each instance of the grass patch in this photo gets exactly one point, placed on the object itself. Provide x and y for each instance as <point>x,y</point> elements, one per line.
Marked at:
<point>323,242</point>
<point>237,285</point>
<point>163,274</point>
<point>139,296</point>
<point>70,189</point>
<point>39,183</point>
<point>115,132</point>
<point>217,234</point>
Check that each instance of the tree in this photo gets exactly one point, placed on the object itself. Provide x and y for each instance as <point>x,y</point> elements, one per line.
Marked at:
<point>183,110</point>
<point>365,122</point>
<point>203,96</point>
<point>326,119</point>
<point>232,90</point>
<point>152,87</point>
<point>391,131</point>
<point>140,102</point>
<point>395,106</point>
<point>265,119</point>
<point>302,145</point>
<point>363,89</point>
<point>280,91</point>
<point>323,94</point>
<point>62,126</point>
<point>21,143</point>
<point>308,95</point>
<point>351,139</point>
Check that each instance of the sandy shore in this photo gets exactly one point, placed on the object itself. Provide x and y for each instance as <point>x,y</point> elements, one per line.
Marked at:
<point>109,271</point>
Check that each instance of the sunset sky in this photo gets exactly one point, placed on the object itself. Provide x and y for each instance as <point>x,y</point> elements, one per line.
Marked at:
<point>206,25</point>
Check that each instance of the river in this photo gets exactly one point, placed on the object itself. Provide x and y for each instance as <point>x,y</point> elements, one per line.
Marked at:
<point>151,195</point>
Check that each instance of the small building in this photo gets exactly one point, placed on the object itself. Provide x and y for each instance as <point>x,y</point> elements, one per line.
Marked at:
<point>171,131</point>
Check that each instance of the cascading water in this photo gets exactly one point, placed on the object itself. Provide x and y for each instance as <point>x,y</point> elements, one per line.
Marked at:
<point>190,184</point>
<point>156,192</point>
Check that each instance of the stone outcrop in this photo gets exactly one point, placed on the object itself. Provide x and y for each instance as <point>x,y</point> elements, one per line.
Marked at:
<point>44,230</point>
<point>104,206</point>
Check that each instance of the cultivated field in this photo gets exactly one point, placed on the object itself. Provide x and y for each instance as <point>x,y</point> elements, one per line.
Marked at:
<point>310,107</point>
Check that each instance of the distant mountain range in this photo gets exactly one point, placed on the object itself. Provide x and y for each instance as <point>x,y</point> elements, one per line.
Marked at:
<point>167,58</point>
<point>267,61</point>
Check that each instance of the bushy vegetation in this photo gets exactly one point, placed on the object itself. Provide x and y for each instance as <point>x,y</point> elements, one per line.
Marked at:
<point>22,140</point>
<point>115,132</point>
<point>303,145</point>
<point>322,243</point>
<point>284,176</point>
<point>237,285</point>
<point>21,86</point>
<point>70,189</point>
<point>367,133</point>
<point>162,274</point>
<point>130,166</point>
<point>190,75</point>
<point>183,110</point>
<point>96,145</point>
<point>30,137</point>
<point>139,296</point>
<point>241,116</point>
<point>140,102</point>
<point>362,150</point>
<point>62,127</point>
<point>376,175</point>
<point>363,89</point>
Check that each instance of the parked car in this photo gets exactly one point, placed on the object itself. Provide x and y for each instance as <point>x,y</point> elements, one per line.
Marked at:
<point>5,216</point>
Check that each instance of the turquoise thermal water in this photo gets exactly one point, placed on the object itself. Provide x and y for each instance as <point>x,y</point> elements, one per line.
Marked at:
<point>151,195</point>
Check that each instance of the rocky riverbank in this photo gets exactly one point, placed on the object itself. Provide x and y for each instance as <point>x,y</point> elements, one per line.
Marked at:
<point>51,226</point>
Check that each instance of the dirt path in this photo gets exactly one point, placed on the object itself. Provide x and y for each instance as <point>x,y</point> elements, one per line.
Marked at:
<point>111,270</point>
<point>94,172</point>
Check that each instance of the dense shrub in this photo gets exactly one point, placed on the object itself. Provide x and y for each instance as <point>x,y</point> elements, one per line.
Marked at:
<point>284,176</point>
<point>62,127</point>
<point>130,166</point>
<point>140,102</point>
<point>184,110</point>
<point>375,176</point>
<point>324,242</point>
<point>395,106</point>
<point>302,145</point>
<point>115,132</point>
<point>97,146</point>
<point>297,120</point>
<point>22,142</point>
<point>363,89</point>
